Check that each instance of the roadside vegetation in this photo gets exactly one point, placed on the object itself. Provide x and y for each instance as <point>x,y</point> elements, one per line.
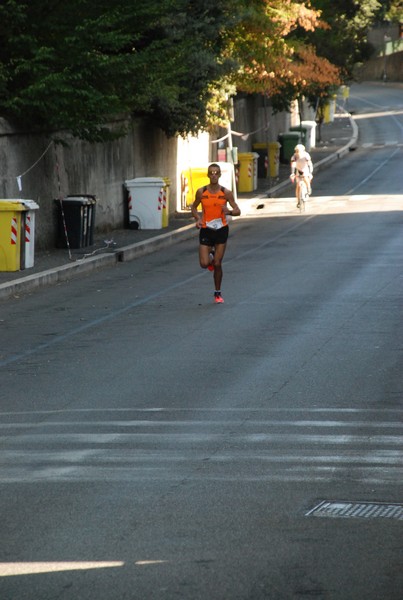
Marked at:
<point>78,65</point>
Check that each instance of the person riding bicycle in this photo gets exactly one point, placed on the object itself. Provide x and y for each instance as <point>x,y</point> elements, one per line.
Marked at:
<point>301,162</point>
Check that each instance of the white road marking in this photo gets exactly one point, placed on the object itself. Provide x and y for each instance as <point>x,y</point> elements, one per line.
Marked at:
<point>364,445</point>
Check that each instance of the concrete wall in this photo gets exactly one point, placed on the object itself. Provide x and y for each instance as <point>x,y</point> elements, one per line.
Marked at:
<point>49,170</point>
<point>376,68</point>
<point>383,33</point>
<point>254,122</point>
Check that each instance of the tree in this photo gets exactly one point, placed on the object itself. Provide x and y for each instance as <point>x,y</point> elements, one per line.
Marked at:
<point>393,11</point>
<point>77,65</point>
<point>346,43</point>
<point>275,61</point>
<point>61,66</point>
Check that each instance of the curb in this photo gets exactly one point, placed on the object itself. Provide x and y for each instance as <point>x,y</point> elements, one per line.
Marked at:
<point>164,240</point>
<point>56,275</point>
<point>65,272</point>
<point>139,249</point>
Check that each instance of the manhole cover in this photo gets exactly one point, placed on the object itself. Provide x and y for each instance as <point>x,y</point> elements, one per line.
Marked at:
<point>366,510</point>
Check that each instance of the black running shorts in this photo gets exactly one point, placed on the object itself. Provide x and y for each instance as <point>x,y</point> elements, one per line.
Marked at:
<point>212,237</point>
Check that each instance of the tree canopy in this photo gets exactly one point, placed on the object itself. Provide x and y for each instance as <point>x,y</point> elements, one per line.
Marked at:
<point>275,60</point>
<point>77,65</point>
<point>349,21</point>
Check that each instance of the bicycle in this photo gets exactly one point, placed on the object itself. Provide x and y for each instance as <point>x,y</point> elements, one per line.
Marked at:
<point>302,191</point>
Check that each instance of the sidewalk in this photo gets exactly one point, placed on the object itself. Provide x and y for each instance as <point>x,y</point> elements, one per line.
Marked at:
<point>56,265</point>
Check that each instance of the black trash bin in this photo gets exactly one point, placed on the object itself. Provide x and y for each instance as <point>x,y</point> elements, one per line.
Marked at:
<point>262,162</point>
<point>76,220</point>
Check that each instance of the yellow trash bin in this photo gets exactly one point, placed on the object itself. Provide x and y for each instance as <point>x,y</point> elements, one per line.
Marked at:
<point>164,201</point>
<point>274,158</point>
<point>248,162</point>
<point>196,177</point>
<point>191,180</point>
<point>345,90</point>
<point>11,238</point>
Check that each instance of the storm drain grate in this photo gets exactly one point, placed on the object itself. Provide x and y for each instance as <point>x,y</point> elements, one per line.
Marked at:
<point>366,510</point>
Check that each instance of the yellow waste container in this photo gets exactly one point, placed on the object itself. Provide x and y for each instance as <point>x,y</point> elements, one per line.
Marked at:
<point>274,158</point>
<point>27,224</point>
<point>191,180</point>
<point>195,177</point>
<point>345,90</point>
<point>269,159</point>
<point>248,166</point>
<point>11,238</point>
<point>165,196</point>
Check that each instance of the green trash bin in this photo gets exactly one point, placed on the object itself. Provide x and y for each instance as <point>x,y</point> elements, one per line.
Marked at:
<point>303,131</point>
<point>288,142</point>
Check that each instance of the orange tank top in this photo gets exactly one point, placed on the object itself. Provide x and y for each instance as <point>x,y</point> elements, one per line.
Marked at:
<point>213,204</point>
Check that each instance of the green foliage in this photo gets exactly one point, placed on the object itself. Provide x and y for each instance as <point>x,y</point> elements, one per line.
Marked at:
<point>77,65</point>
<point>275,60</point>
<point>392,10</point>
<point>346,43</point>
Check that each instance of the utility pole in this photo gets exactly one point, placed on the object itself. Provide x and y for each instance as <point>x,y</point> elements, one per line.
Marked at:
<point>231,117</point>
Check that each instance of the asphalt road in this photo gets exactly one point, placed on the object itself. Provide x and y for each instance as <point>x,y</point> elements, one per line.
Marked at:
<point>156,446</point>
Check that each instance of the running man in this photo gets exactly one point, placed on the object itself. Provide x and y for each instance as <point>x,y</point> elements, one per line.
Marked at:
<point>213,225</point>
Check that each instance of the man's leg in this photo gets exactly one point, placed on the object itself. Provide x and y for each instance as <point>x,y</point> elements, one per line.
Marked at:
<point>218,258</point>
<point>204,256</point>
